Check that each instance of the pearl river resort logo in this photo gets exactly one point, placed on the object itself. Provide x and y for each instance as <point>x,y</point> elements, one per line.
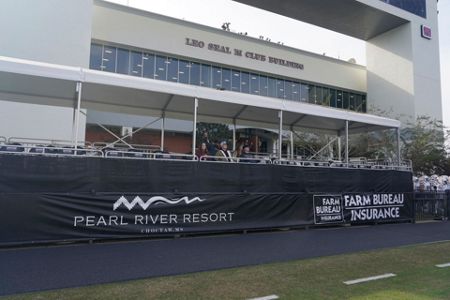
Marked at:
<point>152,201</point>
<point>153,214</point>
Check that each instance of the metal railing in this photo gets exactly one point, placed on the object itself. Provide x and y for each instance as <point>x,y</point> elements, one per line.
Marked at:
<point>61,147</point>
<point>48,150</point>
<point>432,205</point>
<point>136,154</point>
<point>53,142</point>
<point>242,160</point>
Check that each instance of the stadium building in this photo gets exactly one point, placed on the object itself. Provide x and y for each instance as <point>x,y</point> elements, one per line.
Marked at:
<point>91,70</point>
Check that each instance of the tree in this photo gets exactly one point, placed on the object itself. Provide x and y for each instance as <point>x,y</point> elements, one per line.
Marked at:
<point>424,143</point>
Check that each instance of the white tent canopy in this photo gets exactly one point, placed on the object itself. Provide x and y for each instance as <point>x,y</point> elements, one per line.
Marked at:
<point>49,84</point>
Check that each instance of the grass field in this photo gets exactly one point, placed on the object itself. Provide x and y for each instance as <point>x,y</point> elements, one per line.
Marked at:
<point>320,278</point>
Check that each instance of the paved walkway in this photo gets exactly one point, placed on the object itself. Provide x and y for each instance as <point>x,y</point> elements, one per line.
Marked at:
<point>43,268</point>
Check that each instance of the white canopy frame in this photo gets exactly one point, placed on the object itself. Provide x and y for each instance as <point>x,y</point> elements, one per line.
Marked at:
<point>49,84</point>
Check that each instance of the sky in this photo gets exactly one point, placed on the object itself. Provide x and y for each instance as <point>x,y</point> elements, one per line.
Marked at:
<point>307,37</point>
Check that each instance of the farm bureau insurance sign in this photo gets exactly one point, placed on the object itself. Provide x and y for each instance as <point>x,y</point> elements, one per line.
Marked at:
<point>239,52</point>
<point>361,207</point>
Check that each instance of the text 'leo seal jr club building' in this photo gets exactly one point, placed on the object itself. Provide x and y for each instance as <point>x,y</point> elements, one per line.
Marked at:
<point>76,73</point>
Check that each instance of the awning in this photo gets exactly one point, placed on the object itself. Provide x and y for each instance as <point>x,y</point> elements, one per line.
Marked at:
<point>49,84</point>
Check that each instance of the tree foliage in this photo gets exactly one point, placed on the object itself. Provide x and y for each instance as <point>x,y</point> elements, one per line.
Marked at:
<point>425,144</point>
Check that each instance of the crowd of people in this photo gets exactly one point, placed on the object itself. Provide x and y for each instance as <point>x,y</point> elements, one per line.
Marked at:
<point>433,183</point>
<point>220,152</point>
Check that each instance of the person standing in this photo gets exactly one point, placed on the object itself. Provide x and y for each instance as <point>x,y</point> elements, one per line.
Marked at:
<point>224,154</point>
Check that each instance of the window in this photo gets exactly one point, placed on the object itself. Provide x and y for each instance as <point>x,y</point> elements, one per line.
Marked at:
<point>272,83</point>
<point>236,81</point>
<point>205,76</point>
<point>226,79</point>
<point>319,95</point>
<point>296,91</point>
<point>263,86</point>
<point>326,96</point>
<point>184,68</point>
<point>161,67</point>
<point>339,102</point>
<point>288,89</point>
<point>109,59</point>
<point>280,88</point>
<point>351,105</point>
<point>217,77</point>
<point>172,69</point>
<point>96,57</point>
<point>136,64</point>
<point>304,89</point>
<point>333,95</point>
<point>254,84</point>
<point>312,94</point>
<point>149,65</point>
<point>346,100</point>
<point>123,61</point>
<point>358,102</point>
<point>417,7</point>
<point>195,74</point>
<point>245,82</point>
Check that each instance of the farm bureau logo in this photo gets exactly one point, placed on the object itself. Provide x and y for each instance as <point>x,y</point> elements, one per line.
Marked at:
<point>152,201</point>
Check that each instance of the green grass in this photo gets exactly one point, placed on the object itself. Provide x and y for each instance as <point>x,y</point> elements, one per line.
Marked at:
<point>320,278</point>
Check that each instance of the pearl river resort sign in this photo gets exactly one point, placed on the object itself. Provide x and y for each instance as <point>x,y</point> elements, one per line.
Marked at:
<point>242,53</point>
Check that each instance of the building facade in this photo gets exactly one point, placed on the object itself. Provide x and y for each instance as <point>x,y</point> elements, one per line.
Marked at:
<point>401,77</point>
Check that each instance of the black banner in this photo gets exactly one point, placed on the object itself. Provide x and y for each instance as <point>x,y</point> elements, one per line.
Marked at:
<point>49,199</point>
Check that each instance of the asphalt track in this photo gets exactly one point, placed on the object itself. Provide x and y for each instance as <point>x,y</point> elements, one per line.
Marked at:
<point>54,267</point>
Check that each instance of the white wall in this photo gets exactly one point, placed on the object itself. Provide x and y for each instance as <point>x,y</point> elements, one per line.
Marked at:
<point>150,31</point>
<point>403,73</point>
<point>52,31</point>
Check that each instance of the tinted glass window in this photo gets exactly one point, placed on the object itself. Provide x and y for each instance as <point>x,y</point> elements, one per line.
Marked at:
<point>205,76</point>
<point>280,89</point>
<point>195,74</point>
<point>226,79</point>
<point>333,95</point>
<point>312,94</point>
<point>326,96</point>
<point>217,77</point>
<point>254,84</point>
<point>245,82</point>
<point>161,67</point>
<point>149,65</point>
<point>319,95</point>
<point>123,61</point>
<point>236,81</point>
<point>263,87</point>
<point>272,84</point>
<point>288,89</point>
<point>109,59</point>
<point>172,69</point>
<point>295,91</point>
<point>358,103</point>
<point>339,101</point>
<point>417,7</point>
<point>184,68</point>
<point>96,57</point>
<point>136,64</point>
<point>346,100</point>
<point>304,96</point>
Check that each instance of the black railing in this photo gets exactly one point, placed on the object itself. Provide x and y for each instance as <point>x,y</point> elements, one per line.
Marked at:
<point>432,205</point>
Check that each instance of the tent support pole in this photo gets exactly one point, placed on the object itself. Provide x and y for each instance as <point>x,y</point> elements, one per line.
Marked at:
<point>77,119</point>
<point>280,134</point>
<point>399,157</point>
<point>163,125</point>
<point>194,127</point>
<point>346,142</point>
<point>234,135</point>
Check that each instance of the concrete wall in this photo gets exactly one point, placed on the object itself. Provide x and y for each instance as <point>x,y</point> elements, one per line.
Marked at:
<point>52,31</point>
<point>158,33</point>
<point>403,73</point>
